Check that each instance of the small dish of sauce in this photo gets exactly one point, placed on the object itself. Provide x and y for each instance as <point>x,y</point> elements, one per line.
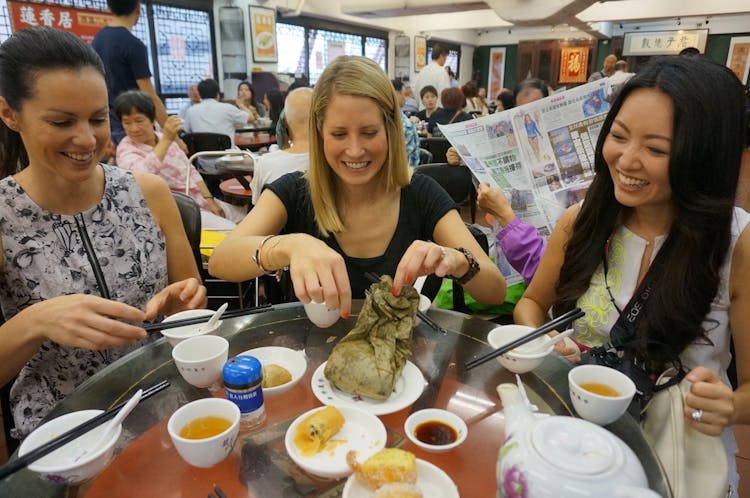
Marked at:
<point>436,433</point>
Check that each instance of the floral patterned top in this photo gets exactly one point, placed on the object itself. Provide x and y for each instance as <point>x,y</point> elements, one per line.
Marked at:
<point>44,257</point>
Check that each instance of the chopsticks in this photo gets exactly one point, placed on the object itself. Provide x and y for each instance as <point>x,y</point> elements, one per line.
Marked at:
<point>151,327</point>
<point>561,321</point>
<point>374,278</point>
<point>219,493</point>
<point>72,434</point>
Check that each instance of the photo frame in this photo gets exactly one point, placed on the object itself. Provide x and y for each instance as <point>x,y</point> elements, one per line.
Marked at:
<point>420,53</point>
<point>496,72</point>
<point>738,58</point>
<point>263,34</point>
<point>402,51</point>
<point>574,63</point>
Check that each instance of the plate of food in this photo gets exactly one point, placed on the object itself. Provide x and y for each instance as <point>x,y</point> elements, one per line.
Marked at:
<point>282,368</point>
<point>395,472</point>
<point>320,439</point>
<point>406,391</point>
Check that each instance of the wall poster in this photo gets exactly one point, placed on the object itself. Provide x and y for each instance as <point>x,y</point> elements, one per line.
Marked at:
<point>420,53</point>
<point>263,31</point>
<point>738,58</point>
<point>497,72</point>
<point>574,62</point>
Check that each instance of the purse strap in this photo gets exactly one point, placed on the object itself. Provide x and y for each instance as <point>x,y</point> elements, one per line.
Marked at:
<point>455,116</point>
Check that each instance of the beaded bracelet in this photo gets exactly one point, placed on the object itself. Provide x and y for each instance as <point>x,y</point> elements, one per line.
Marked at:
<point>473,267</point>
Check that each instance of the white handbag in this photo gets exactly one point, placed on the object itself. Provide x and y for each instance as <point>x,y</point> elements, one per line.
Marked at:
<point>694,463</point>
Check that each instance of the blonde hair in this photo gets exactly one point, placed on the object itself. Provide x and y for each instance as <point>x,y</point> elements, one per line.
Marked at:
<point>357,77</point>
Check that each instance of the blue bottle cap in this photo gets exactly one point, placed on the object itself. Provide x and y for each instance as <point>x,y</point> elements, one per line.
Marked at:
<point>242,371</point>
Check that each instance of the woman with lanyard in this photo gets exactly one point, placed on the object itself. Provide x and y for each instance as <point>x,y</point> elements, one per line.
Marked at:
<point>658,237</point>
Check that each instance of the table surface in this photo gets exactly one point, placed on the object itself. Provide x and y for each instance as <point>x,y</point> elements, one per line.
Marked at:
<point>253,143</point>
<point>259,465</point>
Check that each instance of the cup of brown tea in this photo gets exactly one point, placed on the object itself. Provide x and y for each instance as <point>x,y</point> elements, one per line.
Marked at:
<point>600,394</point>
<point>204,431</point>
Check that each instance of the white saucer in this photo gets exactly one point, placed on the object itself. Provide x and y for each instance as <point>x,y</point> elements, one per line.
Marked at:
<point>407,390</point>
<point>362,432</point>
<point>294,361</point>
<point>431,481</point>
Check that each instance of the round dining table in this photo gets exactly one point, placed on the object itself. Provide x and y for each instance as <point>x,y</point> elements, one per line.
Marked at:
<point>148,465</point>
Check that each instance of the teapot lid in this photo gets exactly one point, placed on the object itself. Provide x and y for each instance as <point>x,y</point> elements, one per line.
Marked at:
<point>577,446</point>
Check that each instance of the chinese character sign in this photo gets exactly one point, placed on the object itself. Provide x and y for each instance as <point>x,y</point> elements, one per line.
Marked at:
<point>263,30</point>
<point>574,62</point>
<point>497,72</point>
<point>664,42</point>
<point>738,58</point>
<point>82,23</point>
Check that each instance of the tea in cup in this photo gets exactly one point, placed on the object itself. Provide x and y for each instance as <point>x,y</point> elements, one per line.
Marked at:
<point>204,431</point>
<point>600,394</point>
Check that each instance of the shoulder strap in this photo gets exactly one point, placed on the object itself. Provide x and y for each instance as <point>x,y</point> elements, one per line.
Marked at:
<point>455,116</point>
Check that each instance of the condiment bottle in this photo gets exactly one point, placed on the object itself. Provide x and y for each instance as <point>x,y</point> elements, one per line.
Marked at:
<point>242,379</point>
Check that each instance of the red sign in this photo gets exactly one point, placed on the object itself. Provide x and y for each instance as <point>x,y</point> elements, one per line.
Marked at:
<point>574,62</point>
<point>80,22</point>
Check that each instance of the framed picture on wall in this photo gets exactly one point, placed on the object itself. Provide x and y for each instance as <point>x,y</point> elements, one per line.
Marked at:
<point>263,31</point>
<point>574,63</point>
<point>496,71</point>
<point>738,58</point>
<point>420,53</point>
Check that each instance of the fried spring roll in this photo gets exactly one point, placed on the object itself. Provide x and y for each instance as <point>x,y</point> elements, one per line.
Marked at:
<point>316,429</point>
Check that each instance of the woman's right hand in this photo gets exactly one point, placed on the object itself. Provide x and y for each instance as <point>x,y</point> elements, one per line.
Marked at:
<point>172,127</point>
<point>318,273</point>
<point>493,200</point>
<point>86,321</point>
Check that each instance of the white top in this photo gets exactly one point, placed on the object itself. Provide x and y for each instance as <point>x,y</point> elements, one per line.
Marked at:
<point>211,116</point>
<point>274,165</point>
<point>432,74</point>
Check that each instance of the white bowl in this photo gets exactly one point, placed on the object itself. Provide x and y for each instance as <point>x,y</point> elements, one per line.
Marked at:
<point>177,334</point>
<point>59,466</point>
<point>362,432</point>
<point>200,359</point>
<point>442,416</point>
<point>594,407</point>
<point>320,315</point>
<point>424,303</point>
<point>212,450</point>
<point>293,361</point>
<point>526,357</point>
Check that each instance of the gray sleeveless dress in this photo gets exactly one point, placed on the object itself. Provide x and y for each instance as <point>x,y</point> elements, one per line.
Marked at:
<point>45,255</point>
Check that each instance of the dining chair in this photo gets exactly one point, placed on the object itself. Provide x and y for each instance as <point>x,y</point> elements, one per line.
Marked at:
<point>190,214</point>
<point>438,147</point>
<point>456,180</point>
<point>201,142</point>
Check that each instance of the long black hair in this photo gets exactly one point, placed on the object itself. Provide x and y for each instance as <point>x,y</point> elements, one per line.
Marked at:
<point>704,164</point>
<point>23,55</point>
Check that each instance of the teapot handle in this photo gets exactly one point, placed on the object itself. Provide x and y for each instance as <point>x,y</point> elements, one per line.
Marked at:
<point>634,492</point>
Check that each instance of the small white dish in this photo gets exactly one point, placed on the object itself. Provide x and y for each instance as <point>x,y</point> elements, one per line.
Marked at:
<point>407,390</point>
<point>524,358</point>
<point>445,417</point>
<point>293,361</point>
<point>362,432</point>
<point>177,334</point>
<point>320,315</point>
<point>431,481</point>
<point>60,467</point>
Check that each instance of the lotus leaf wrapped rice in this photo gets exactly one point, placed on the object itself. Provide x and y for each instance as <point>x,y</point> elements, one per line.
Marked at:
<point>370,358</point>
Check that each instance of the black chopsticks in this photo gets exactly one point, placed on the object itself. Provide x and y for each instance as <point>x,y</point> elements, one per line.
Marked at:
<point>151,327</point>
<point>72,434</point>
<point>561,322</point>
<point>374,278</point>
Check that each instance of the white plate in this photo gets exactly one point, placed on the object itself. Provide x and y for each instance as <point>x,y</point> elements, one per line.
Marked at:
<point>362,432</point>
<point>431,481</point>
<point>292,360</point>
<point>407,390</point>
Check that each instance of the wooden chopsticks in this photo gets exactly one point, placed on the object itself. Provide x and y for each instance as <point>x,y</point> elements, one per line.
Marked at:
<point>561,322</point>
<point>72,434</point>
<point>151,327</point>
<point>374,278</point>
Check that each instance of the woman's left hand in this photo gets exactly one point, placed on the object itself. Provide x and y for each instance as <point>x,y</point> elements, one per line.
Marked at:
<point>186,294</point>
<point>424,258</point>
<point>710,398</point>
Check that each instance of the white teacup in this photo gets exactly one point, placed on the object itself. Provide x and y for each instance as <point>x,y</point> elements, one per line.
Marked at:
<point>201,359</point>
<point>320,315</point>
<point>600,407</point>
<point>212,450</point>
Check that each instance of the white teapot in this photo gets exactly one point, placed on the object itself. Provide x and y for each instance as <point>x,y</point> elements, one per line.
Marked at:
<point>563,457</point>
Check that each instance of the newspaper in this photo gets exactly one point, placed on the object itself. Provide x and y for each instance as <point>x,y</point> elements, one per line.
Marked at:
<point>541,154</point>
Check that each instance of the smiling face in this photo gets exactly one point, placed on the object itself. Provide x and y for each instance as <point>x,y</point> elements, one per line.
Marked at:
<point>355,142</point>
<point>62,131</point>
<point>637,150</point>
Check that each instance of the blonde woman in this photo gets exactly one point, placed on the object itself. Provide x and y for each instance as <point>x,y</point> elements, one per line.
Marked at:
<point>358,208</point>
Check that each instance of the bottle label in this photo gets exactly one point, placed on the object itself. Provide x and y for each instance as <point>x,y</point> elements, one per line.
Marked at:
<point>248,400</point>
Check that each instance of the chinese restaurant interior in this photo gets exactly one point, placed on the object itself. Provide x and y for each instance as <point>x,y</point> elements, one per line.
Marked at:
<point>317,316</point>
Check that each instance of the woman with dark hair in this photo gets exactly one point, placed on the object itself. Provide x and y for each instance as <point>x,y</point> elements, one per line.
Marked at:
<point>474,104</point>
<point>246,101</point>
<point>88,251</point>
<point>274,104</point>
<point>658,223</point>
<point>452,111</point>
<point>146,150</point>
